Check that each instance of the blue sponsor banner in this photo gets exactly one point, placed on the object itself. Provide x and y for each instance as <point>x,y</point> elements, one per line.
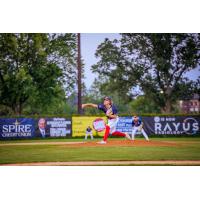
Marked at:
<point>172,125</point>
<point>125,125</point>
<point>163,125</point>
<point>17,128</point>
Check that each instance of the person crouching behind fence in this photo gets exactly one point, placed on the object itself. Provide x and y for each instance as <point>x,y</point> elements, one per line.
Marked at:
<point>137,126</point>
<point>88,132</point>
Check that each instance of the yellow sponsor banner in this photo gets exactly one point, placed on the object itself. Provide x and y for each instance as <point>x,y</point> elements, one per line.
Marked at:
<point>80,124</point>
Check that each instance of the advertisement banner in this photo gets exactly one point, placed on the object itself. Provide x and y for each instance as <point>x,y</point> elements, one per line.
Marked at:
<point>17,128</point>
<point>80,124</point>
<point>124,125</point>
<point>168,125</point>
<point>172,125</point>
<point>53,127</point>
<point>62,127</point>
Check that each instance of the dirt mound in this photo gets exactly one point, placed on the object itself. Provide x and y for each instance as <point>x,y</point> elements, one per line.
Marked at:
<point>125,143</point>
<point>110,143</point>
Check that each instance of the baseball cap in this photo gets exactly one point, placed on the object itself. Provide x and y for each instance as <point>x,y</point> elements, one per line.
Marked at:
<point>107,98</point>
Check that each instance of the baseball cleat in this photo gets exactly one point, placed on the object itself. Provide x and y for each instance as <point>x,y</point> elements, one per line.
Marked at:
<point>127,136</point>
<point>101,142</point>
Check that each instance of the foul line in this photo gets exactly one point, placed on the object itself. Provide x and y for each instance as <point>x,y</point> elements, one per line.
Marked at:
<point>39,143</point>
<point>106,163</point>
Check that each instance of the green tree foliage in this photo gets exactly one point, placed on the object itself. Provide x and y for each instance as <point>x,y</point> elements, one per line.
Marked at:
<point>143,104</point>
<point>156,63</point>
<point>36,70</point>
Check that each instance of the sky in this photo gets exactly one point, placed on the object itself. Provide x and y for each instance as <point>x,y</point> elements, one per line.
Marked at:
<point>89,44</point>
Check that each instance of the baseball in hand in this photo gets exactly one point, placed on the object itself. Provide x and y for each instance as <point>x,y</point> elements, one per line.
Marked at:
<point>109,112</point>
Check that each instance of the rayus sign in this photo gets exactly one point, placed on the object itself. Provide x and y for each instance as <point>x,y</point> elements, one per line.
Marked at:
<point>176,125</point>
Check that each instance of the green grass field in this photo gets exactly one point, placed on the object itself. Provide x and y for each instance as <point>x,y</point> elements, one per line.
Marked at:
<point>186,149</point>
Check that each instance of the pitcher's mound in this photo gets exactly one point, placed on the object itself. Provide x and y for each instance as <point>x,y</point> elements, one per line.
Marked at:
<point>112,143</point>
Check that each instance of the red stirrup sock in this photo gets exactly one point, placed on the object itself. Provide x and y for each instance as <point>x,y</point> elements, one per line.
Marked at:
<point>117,133</point>
<point>106,134</point>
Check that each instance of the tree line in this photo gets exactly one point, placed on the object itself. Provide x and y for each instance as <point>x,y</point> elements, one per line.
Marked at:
<point>143,73</point>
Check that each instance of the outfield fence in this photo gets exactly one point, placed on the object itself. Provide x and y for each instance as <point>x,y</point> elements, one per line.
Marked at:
<point>75,126</point>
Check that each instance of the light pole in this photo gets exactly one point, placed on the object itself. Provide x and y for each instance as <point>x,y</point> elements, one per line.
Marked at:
<point>79,74</point>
